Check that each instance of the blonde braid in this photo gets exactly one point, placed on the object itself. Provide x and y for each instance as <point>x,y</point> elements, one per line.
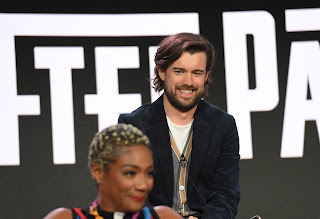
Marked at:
<point>103,149</point>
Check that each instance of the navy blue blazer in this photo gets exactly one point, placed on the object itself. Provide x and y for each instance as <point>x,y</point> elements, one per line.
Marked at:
<point>215,161</point>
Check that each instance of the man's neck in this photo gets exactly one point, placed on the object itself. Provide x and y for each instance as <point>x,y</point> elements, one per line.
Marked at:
<point>176,116</point>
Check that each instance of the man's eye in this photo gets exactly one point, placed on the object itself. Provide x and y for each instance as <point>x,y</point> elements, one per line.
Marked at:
<point>178,71</point>
<point>198,73</point>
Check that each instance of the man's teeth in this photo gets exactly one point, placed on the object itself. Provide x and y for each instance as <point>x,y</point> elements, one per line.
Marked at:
<point>186,91</point>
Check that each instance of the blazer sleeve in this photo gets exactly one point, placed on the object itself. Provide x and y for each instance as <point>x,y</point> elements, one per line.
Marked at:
<point>225,195</point>
<point>122,119</point>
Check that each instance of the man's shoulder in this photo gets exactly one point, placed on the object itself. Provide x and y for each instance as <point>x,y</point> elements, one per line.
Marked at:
<point>143,114</point>
<point>211,113</point>
<point>138,115</point>
<point>140,110</point>
<point>139,118</point>
<point>209,108</point>
<point>146,109</point>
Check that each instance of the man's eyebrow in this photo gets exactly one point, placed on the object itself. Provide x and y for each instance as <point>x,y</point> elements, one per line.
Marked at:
<point>182,69</point>
<point>178,68</point>
<point>199,70</point>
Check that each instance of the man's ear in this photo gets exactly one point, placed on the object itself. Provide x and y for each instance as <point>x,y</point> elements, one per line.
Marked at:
<point>161,73</point>
<point>96,172</point>
<point>207,75</point>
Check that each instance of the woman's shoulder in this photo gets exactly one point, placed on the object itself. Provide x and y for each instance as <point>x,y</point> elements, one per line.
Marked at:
<point>61,213</point>
<point>166,212</point>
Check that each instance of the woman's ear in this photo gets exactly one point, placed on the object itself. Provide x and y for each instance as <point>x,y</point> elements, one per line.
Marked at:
<point>96,172</point>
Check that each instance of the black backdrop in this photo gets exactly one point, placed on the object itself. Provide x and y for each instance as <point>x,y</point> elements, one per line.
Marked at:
<point>271,186</point>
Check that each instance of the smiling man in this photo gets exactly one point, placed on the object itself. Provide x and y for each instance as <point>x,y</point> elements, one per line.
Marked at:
<point>195,144</point>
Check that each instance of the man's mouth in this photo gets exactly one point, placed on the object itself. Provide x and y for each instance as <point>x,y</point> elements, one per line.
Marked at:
<point>186,91</point>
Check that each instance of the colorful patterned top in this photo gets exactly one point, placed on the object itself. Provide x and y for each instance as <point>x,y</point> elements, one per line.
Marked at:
<point>94,212</point>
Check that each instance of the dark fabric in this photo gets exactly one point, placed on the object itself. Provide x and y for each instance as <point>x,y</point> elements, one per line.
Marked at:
<point>215,160</point>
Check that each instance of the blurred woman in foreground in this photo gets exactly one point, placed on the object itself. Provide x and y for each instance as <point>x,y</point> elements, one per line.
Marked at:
<point>121,164</point>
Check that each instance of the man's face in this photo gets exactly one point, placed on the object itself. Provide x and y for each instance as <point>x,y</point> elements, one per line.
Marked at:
<point>184,80</point>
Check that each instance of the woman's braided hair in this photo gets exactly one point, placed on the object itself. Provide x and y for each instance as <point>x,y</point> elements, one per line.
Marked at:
<point>106,145</point>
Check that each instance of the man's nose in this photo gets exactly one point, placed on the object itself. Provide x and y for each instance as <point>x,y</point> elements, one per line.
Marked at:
<point>187,79</point>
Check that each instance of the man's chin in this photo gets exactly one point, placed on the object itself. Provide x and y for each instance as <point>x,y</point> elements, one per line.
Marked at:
<point>183,104</point>
<point>183,107</point>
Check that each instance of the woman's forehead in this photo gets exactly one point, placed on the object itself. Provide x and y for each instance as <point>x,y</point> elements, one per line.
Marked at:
<point>134,154</point>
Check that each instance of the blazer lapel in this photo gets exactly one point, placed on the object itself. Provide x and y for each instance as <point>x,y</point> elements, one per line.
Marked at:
<point>202,130</point>
<point>158,133</point>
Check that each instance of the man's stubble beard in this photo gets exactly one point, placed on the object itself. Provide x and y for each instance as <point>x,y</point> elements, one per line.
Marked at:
<point>176,103</point>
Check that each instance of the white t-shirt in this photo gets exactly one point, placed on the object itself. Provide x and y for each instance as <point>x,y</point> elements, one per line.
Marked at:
<point>179,133</point>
